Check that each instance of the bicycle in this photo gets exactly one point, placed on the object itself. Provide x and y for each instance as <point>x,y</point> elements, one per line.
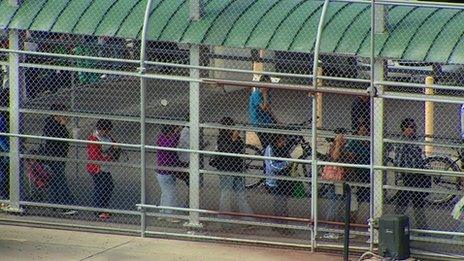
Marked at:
<point>438,182</point>
<point>301,148</point>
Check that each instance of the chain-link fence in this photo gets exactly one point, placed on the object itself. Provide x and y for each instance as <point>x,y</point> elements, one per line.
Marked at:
<point>227,127</point>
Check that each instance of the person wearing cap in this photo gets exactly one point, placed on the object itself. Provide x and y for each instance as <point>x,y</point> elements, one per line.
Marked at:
<point>55,127</point>
<point>411,156</point>
<point>100,172</point>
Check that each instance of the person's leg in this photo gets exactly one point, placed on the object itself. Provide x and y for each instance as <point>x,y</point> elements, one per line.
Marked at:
<point>168,188</point>
<point>332,206</point>
<point>107,190</point>
<point>243,205</point>
<point>4,179</point>
<point>59,188</point>
<point>97,190</point>
<point>418,202</point>
<point>226,184</point>
<point>402,201</point>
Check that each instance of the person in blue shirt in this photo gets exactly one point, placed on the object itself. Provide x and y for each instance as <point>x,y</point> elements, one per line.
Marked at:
<point>260,111</point>
<point>4,148</point>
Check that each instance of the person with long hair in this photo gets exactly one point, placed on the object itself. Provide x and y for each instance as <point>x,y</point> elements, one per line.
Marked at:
<point>229,141</point>
<point>167,179</point>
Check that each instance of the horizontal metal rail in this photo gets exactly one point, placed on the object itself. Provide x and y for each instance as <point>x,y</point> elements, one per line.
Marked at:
<point>419,85</point>
<point>204,211</point>
<point>421,98</point>
<point>294,87</point>
<point>136,62</point>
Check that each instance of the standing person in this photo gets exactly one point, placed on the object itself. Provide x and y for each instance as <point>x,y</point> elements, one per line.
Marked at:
<point>360,111</point>
<point>410,156</point>
<point>55,127</point>
<point>169,138</point>
<point>100,172</point>
<point>358,152</point>
<point>334,192</point>
<point>230,141</point>
<point>4,148</point>
<point>280,189</point>
<point>260,111</point>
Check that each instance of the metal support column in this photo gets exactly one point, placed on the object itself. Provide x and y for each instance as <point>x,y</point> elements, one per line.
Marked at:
<point>196,10</point>
<point>378,25</point>
<point>194,107</point>
<point>15,94</point>
<point>314,166</point>
<point>143,88</point>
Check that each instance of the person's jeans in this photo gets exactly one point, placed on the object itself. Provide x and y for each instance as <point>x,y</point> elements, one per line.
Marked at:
<point>103,189</point>
<point>169,192</point>
<point>418,202</point>
<point>4,178</point>
<point>59,192</point>
<point>280,201</point>
<point>335,203</point>
<point>231,185</point>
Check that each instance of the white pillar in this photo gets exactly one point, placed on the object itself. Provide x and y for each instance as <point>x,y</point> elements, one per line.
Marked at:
<point>194,102</point>
<point>196,9</point>
<point>15,87</point>
<point>378,71</point>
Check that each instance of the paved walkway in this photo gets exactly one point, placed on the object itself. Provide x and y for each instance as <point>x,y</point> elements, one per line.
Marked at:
<point>24,243</point>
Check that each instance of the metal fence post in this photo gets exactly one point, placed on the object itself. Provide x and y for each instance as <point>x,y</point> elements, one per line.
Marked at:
<point>196,9</point>
<point>194,102</point>
<point>143,87</point>
<point>314,165</point>
<point>15,94</point>
<point>378,26</point>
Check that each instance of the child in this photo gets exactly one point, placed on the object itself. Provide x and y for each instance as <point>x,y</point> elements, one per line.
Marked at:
<point>280,189</point>
<point>101,175</point>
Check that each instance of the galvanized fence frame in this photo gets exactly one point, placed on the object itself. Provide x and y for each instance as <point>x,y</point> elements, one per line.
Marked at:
<point>377,137</point>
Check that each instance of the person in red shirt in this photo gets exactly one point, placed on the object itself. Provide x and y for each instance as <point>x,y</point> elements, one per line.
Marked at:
<point>100,172</point>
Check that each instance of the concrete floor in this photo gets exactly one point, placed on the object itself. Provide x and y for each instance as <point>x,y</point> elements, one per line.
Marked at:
<point>24,243</point>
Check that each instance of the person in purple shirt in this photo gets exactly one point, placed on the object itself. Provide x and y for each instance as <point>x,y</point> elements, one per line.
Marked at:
<point>169,138</point>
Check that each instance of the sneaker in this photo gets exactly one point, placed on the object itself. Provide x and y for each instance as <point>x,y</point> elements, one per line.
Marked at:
<point>68,212</point>
<point>104,216</point>
<point>331,236</point>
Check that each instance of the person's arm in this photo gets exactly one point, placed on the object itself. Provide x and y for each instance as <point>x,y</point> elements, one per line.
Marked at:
<point>337,149</point>
<point>274,165</point>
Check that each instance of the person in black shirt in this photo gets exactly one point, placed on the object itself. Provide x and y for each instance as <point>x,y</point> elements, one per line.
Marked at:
<point>55,126</point>
<point>410,156</point>
<point>360,112</point>
<point>229,141</point>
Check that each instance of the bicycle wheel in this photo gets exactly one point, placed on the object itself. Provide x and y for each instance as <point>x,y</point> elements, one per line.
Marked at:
<point>390,178</point>
<point>442,182</point>
<point>253,166</point>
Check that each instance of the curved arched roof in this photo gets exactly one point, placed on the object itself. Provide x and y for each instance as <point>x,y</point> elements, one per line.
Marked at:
<point>414,33</point>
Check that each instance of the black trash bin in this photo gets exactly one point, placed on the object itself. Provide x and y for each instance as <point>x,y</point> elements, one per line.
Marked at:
<point>394,236</point>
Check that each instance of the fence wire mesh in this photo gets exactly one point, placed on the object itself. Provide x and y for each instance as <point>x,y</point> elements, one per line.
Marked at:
<point>243,163</point>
